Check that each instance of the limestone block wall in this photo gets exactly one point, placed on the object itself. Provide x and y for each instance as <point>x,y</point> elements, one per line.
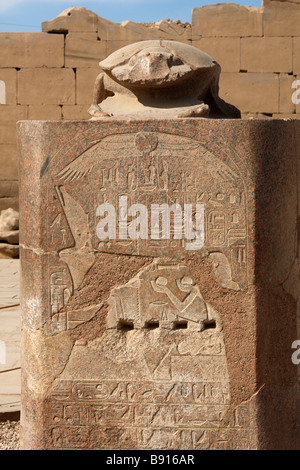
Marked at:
<point>50,75</point>
<point>259,51</point>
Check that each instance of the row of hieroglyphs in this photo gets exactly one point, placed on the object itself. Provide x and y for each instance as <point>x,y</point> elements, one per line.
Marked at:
<point>2,92</point>
<point>144,392</point>
<point>150,415</point>
<point>81,437</point>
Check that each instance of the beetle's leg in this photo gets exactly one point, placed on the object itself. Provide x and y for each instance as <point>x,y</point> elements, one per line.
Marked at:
<point>200,111</point>
<point>99,95</point>
<point>99,90</point>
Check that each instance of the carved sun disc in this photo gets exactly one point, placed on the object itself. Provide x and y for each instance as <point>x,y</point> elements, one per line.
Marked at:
<point>146,142</point>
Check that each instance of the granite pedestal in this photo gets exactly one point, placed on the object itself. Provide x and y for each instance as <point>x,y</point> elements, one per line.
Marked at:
<point>153,342</point>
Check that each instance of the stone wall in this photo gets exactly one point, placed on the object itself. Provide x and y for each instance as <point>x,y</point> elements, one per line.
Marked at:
<point>50,75</point>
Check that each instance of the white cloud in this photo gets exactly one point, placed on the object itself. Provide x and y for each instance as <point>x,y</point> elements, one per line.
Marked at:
<point>9,5</point>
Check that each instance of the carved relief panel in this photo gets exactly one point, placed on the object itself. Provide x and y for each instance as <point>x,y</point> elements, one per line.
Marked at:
<point>156,369</point>
<point>145,170</point>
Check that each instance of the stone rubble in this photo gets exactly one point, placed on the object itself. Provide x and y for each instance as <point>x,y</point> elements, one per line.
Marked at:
<point>9,234</point>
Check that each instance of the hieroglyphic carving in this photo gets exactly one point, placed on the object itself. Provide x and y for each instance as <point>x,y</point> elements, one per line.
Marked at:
<point>160,392</point>
<point>183,395</point>
<point>151,171</point>
<point>60,291</point>
<point>164,415</point>
<point>59,230</point>
<point>223,271</point>
<point>81,437</point>
<point>155,376</point>
<point>162,294</point>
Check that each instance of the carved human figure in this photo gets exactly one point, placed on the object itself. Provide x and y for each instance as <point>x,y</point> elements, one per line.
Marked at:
<point>192,308</point>
<point>165,298</point>
<point>150,176</point>
<point>164,176</point>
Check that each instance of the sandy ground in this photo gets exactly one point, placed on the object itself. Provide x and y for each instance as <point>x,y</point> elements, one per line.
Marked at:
<point>10,336</point>
<point>9,435</point>
<point>10,383</point>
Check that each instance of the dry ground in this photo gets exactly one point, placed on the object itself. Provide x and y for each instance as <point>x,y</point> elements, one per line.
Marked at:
<point>9,435</point>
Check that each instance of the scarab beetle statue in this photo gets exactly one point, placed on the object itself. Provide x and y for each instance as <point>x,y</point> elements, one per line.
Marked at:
<point>159,79</point>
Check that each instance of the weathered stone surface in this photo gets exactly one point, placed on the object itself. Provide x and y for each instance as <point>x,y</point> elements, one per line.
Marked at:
<point>226,19</point>
<point>9,78</point>
<point>9,201</point>
<point>78,19</point>
<point>115,45</point>
<point>267,54</point>
<point>31,50</point>
<point>130,32</point>
<point>226,51</point>
<point>285,116</point>
<point>172,30</point>
<point>9,161</point>
<point>281,19</point>
<point>13,113</point>
<point>140,343</point>
<point>296,55</point>
<point>44,112</point>
<point>260,91</point>
<point>9,115</point>
<point>265,2</point>
<point>85,80</point>
<point>84,49</point>
<point>9,220</point>
<point>9,251</point>
<point>46,86</point>
<point>107,30</point>
<point>255,116</point>
<point>9,188</point>
<point>72,19</point>
<point>9,194</point>
<point>159,79</point>
<point>79,111</point>
<point>9,236</point>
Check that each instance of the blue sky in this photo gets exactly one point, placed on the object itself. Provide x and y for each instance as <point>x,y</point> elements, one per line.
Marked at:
<point>29,14</point>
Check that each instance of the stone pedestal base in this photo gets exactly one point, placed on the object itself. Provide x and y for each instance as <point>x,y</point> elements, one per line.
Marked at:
<point>174,332</point>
